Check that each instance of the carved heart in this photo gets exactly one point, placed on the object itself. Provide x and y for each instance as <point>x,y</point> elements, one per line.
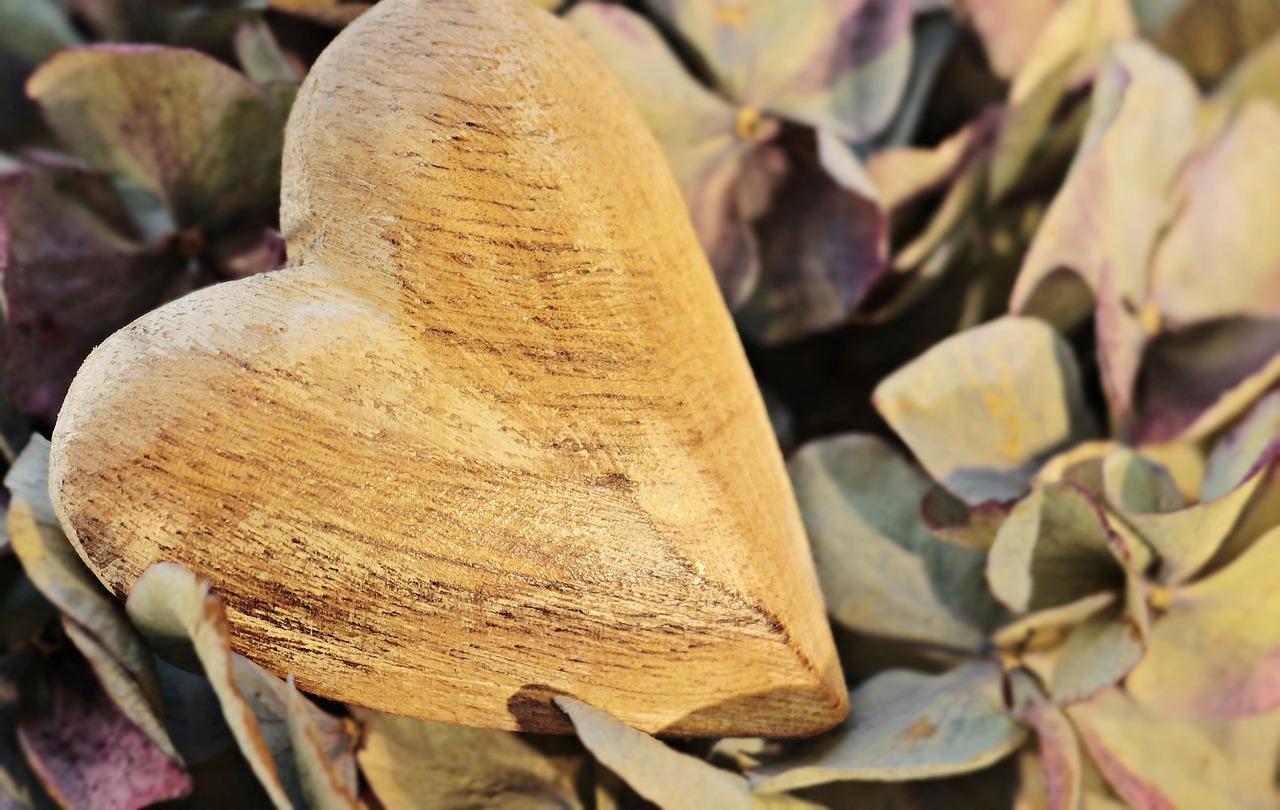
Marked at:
<point>493,438</point>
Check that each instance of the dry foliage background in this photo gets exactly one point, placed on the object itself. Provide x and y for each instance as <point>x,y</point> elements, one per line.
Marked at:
<point>1009,275</point>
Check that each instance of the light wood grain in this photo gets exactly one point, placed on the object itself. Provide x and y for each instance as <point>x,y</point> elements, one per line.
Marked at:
<point>493,438</point>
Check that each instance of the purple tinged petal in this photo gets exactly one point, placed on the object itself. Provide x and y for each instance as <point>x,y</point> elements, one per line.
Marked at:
<point>1008,29</point>
<point>1058,744</point>
<point>1194,381</point>
<point>822,247</point>
<point>1107,217</point>
<point>88,754</point>
<point>1221,255</point>
<point>69,281</point>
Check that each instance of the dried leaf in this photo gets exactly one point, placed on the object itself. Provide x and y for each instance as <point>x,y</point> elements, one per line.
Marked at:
<point>905,725</point>
<point>55,569</point>
<point>88,754</point>
<point>1056,547</point>
<point>664,776</point>
<point>1215,652</point>
<point>1158,763</point>
<point>881,570</point>
<point>984,407</point>
<point>211,149</point>
<point>185,622</point>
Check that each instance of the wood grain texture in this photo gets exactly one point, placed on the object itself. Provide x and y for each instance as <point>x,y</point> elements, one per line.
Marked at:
<point>493,438</point>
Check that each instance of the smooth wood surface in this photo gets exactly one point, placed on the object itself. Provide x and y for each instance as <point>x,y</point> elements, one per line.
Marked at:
<point>493,438</point>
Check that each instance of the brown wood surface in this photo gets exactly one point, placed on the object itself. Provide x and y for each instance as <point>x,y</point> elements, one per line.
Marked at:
<point>492,438</point>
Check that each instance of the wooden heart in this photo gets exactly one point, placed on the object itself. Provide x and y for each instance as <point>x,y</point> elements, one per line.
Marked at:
<point>493,438</point>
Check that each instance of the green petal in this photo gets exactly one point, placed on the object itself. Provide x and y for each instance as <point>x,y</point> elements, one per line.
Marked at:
<point>197,134</point>
<point>905,725</point>
<point>1236,454</point>
<point>881,570</point>
<point>1055,548</point>
<point>983,408</point>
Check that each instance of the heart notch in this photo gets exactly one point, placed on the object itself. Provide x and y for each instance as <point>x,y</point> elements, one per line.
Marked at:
<point>492,437</point>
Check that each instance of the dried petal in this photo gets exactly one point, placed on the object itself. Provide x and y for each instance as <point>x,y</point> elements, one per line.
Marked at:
<point>197,134</point>
<point>1215,653</point>
<point>1058,745</point>
<point>86,751</point>
<point>1055,547</point>
<point>702,136</point>
<point>1009,29</point>
<point>70,280</point>
<point>983,408</point>
<point>1104,221</point>
<point>1195,381</point>
<point>1236,455</point>
<point>952,520</point>
<point>905,725</point>
<point>840,67</point>
<point>1184,538</point>
<point>417,763</point>
<point>1159,763</point>
<point>664,776</point>
<point>1072,40</point>
<point>822,247</point>
<point>186,622</point>
<point>881,570</point>
<point>55,569</point>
